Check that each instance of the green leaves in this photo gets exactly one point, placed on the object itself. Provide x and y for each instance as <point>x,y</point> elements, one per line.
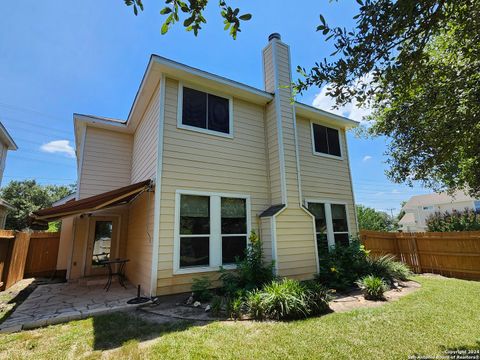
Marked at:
<point>194,15</point>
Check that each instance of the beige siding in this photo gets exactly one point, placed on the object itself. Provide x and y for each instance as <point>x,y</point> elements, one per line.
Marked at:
<point>197,161</point>
<point>266,237</point>
<point>325,178</point>
<point>139,244</point>
<point>107,161</point>
<point>145,139</point>
<point>295,240</point>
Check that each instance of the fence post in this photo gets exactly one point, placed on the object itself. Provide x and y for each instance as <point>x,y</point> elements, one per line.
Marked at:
<point>417,254</point>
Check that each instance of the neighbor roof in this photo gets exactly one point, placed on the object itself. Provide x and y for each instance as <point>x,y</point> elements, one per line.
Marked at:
<point>437,198</point>
<point>6,138</point>
<point>408,218</point>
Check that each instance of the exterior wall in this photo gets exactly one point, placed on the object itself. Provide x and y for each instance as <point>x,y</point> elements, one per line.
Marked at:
<point>266,237</point>
<point>65,244</point>
<point>145,139</point>
<point>3,217</point>
<point>3,158</point>
<point>107,161</point>
<point>139,243</point>
<point>295,238</point>
<point>324,178</point>
<point>203,162</point>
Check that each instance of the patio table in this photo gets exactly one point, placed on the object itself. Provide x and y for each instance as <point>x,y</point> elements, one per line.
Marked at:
<point>120,272</point>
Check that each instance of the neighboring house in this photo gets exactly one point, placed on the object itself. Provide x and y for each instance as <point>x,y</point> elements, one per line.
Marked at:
<point>6,143</point>
<point>420,207</point>
<point>200,162</point>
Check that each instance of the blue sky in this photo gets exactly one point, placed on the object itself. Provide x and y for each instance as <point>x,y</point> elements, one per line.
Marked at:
<point>89,57</point>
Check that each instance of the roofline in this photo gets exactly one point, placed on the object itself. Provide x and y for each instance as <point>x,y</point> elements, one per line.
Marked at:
<point>307,110</point>
<point>8,139</point>
<point>266,96</point>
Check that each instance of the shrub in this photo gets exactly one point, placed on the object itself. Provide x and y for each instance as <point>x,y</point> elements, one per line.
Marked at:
<point>235,307</point>
<point>387,268</point>
<point>373,287</point>
<point>201,289</point>
<point>343,265</point>
<point>467,220</point>
<point>318,297</point>
<point>284,299</point>
<point>216,305</point>
<point>251,272</point>
<point>287,299</point>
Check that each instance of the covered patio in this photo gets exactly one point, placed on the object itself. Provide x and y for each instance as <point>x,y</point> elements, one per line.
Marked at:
<point>106,233</point>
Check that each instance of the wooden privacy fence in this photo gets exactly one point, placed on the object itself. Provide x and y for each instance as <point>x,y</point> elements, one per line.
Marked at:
<point>25,254</point>
<point>13,253</point>
<point>455,254</point>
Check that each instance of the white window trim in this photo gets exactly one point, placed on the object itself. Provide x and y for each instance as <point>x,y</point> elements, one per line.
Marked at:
<point>215,231</point>
<point>340,142</point>
<point>180,125</point>
<point>328,218</point>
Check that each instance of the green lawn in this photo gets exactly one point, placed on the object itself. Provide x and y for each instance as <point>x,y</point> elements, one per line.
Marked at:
<point>444,314</point>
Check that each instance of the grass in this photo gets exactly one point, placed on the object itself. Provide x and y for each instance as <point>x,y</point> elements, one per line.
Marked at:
<point>444,314</point>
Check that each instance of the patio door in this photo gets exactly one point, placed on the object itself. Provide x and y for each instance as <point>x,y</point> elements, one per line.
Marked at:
<point>102,244</point>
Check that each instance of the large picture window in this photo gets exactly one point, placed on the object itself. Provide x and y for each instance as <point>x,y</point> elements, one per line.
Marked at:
<point>234,229</point>
<point>205,112</point>
<point>326,140</point>
<point>331,223</point>
<point>194,230</point>
<point>211,230</point>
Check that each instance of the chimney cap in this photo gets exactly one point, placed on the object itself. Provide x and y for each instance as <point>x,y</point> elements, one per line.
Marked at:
<point>274,36</point>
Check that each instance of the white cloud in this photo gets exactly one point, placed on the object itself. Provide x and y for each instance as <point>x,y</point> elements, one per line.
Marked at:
<point>395,191</point>
<point>58,146</point>
<point>350,110</point>
<point>366,158</point>
<point>380,193</point>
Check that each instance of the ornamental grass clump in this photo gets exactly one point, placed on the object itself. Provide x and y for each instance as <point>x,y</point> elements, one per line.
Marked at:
<point>373,287</point>
<point>388,269</point>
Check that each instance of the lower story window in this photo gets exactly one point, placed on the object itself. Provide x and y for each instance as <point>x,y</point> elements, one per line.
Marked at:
<point>212,229</point>
<point>331,225</point>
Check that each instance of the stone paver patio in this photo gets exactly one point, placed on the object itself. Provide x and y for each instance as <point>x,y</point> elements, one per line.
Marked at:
<point>57,303</point>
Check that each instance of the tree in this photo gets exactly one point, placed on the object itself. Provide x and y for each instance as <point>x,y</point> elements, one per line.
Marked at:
<point>193,12</point>
<point>28,196</point>
<point>371,219</point>
<point>467,220</point>
<point>416,63</point>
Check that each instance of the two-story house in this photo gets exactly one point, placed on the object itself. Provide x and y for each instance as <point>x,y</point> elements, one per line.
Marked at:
<point>418,208</point>
<point>6,143</point>
<point>200,162</point>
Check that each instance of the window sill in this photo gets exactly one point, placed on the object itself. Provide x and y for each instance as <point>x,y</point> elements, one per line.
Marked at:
<point>205,131</point>
<point>202,269</point>
<point>328,156</point>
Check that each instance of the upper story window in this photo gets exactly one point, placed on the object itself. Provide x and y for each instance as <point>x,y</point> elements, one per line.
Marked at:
<point>204,112</point>
<point>429,207</point>
<point>326,141</point>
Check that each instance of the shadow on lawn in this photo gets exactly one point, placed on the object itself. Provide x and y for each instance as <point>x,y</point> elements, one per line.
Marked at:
<point>475,348</point>
<point>114,330</point>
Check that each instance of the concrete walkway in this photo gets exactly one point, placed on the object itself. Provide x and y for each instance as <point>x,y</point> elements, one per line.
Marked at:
<point>57,303</point>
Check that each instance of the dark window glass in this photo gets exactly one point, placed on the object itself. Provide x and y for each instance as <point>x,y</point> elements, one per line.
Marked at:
<point>233,247</point>
<point>326,140</point>
<point>339,218</point>
<point>194,111</point>
<point>194,251</point>
<point>322,244</point>
<point>318,210</point>
<point>194,215</point>
<point>320,138</point>
<point>101,242</point>
<point>333,142</point>
<point>218,114</point>
<point>341,240</point>
<point>234,219</point>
